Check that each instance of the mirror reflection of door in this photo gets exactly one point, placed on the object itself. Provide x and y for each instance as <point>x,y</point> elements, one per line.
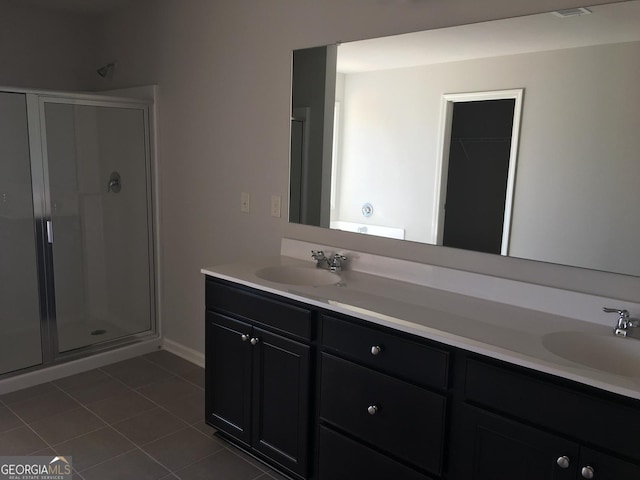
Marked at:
<point>481,159</point>
<point>295,180</point>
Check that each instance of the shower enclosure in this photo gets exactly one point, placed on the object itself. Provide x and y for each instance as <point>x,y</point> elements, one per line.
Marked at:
<point>76,233</point>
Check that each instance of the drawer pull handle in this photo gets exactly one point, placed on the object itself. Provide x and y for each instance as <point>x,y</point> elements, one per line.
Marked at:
<point>376,349</point>
<point>244,337</point>
<point>255,340</point>
<point>372,409</point>
<point>587,472</point>
<point>563,461</point>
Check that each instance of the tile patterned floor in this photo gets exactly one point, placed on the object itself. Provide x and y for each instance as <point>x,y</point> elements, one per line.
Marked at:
<point>141,419</point>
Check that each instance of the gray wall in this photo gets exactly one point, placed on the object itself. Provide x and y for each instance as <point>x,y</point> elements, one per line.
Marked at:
<point>44,48</point>
<point>224,75</point>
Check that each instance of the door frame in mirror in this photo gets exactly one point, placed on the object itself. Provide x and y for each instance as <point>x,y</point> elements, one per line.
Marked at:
<point>442,160</point>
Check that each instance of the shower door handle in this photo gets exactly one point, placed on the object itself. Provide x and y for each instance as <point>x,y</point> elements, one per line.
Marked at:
<point>49,231</point>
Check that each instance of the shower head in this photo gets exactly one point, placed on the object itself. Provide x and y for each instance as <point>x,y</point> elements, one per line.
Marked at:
<point>104,70</point>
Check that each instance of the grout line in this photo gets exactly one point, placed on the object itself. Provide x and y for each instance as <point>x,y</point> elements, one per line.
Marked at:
<point>175,472</point>
<point>48,445</point>
<point>108,459</point>
<point>106,424</point>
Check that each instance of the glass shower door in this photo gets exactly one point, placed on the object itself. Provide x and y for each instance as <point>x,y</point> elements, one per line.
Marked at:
<point>20,342</point>
<point>97,164</point>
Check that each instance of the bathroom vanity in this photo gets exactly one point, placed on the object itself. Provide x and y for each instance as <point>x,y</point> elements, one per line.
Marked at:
<point>377,378</point>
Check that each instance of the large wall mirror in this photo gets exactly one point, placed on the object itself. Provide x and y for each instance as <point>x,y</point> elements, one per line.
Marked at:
<point>517,137</point>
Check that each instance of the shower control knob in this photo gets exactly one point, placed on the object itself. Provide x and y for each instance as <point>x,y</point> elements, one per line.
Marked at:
<point>563,461</point>
<point>255,340</point>
<point>244,337</point>
<point>376,349</point>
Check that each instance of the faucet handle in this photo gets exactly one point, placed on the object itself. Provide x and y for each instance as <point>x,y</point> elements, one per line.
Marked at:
<point>317,254</point>
<point>623,314</point>
<point>624,322</point>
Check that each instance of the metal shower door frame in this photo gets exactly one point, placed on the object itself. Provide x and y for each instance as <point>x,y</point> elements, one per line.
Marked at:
<point>36,102</point>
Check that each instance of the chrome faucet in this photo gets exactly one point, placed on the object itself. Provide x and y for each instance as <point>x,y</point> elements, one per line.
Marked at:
<point>318,256</point>
<point>625,322</point>
<point>333,263</point>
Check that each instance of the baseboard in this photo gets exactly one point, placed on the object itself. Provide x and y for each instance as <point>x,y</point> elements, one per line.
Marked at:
<point>180,350</point>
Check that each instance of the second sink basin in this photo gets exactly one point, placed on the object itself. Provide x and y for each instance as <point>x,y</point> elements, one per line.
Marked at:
<point>608,353</point>
<point>302,276</point>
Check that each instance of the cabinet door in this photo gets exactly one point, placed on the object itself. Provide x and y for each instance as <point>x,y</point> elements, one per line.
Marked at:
<point>281,400</point>
<point>228,376</point>
<point>495,448</point>
<point>606,467</point>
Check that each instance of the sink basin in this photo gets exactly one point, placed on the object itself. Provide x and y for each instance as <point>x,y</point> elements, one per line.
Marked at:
<point>617,355</point>
<point>302,276</point>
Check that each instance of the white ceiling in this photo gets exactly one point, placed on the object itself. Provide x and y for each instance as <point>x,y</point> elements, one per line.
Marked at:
<point>614,23</point>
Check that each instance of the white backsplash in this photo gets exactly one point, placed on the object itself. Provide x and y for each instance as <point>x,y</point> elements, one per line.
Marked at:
<point>526,295</point>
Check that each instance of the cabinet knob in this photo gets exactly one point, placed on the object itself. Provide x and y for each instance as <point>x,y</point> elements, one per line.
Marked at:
<point>255,340</point>
<point>244,337</point>
<point>376,349</point>
<point>587,472</point>
<point>372,409</point>
<point>563,461</point>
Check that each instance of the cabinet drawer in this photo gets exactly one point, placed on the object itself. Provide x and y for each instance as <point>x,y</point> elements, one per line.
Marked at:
<point>397,355</point>
<point>281,316</point>
<point>408,421</point>
<point>343,459</point>
<point>577,413</point>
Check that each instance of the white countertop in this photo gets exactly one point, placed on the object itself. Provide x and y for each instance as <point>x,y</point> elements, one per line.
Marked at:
<point>498,330</point>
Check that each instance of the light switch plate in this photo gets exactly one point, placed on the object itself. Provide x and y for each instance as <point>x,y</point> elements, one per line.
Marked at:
<point>276,203</point>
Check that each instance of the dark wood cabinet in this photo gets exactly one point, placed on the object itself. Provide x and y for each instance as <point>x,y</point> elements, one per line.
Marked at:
<point>373,390</point>
<point>400,418</point>
<point>499,449</point>
<point>344,459</point>
<point>228,376</point>
<point>321,395</point>
<point>258,386</point>
<point>281,399</point>
<point>524,426</point>
<point>496,448</point>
